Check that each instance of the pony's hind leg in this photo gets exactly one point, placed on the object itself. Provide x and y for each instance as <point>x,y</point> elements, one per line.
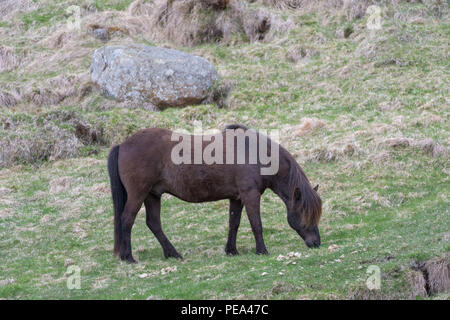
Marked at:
<point>234,221</point>
<point>153,220</point>
<point>128,216</point>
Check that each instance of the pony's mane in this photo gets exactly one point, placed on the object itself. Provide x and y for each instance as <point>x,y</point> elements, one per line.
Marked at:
<point>235,126</point>
<point>310,202</point>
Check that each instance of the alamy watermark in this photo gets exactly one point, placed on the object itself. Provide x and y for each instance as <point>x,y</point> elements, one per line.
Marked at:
<point>373,282</point>
<point>74,18</point>
<point>74,277</point>
<point>231,146</point>
<point>374,17</point>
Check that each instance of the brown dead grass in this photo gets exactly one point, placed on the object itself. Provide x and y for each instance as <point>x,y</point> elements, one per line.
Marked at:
<point>102,188</point>
<point>57,134</point>
<point>195,22</point>
<point>437,272</point>
<point>414,286</point>
<point>9,60</point>
<point>9,8</point>
<point>87,134</point>
<point>307,126</point>
<point>220,93</point>
<point>297,53</point>
<point>417,283</point>
<point>333,152</point>
<point>60,184</point>
<point>426,145</point>
<point>431,277</point>
<point>49,92</point>
<point>284,4</point>
<point>9,99</point>
<point>59,39</point>
<point>49,144</point>
<point>351,9</point>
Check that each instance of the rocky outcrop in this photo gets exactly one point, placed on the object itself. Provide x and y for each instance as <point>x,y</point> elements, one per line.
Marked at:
<point>152,77</point>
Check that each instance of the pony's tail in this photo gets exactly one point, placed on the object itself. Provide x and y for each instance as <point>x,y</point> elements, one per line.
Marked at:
<point>119,195</point>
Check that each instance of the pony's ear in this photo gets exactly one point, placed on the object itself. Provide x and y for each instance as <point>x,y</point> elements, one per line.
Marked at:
<point>297,194</point>
<point>316,188</point>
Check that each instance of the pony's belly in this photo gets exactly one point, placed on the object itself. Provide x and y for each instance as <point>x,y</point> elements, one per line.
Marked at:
<point>203,192</point>
<point>193,183</point>
<point>201,198</point>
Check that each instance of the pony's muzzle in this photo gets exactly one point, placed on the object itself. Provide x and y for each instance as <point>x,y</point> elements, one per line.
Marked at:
<point>313,243</point>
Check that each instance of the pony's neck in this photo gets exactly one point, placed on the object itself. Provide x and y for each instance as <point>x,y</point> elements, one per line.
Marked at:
<point>280,182</point>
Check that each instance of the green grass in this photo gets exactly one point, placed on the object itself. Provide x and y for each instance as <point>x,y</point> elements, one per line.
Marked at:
<point>406,230</point>
<point>42,17</point>
<point>382,205</point>
<point>118,5</point>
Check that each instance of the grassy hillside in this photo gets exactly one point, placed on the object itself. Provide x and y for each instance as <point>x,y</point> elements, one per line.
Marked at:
<point>364,111</point>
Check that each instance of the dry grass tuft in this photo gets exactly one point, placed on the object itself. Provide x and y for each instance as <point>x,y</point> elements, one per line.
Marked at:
<point>47,144</point>
<point>60,184</point>
<point>280,287</point>
<point>370,47</point>
<point>427,119</point>
<point>284,4</point>
<point>220,94</point>
<point>297,53</point>
<point>56,134</point>
<point>257,24</point>
<point>363,293</point>
<point>44,96</point>
<point>59,39</point>
<point>417,283</point>
<point>432,148</point>
<point>9,8</point>
<point>4,282</point>
<point>9,60</point>
<point>389,105</point>
<point>87,134</point>
<point>9,99</point>
<point>414,286</point>
<point>352,9</point>
<point>355,9</point>
<point>333,152</point>
<point>139,8</point>
<point>398,142</point>
<point>426,145</point>
<point>54,91</point>
<point>102,188</point>
<point>202,21</point>
<point>437,273</point>
<point>307,126</point>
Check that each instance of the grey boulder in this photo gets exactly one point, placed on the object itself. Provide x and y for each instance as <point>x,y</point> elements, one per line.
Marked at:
<point>152,77</point>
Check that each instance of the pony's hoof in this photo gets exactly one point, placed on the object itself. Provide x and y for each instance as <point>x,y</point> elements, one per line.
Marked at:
<point>132,261</point>
<point>231,252</point>
<point>128,259</point>
<point>263,251</point>
<point>175,255</point>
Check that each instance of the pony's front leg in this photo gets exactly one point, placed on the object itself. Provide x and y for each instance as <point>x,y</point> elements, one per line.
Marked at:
<point>235,219</point>
<point>153,220</point>
<point>251,200</point>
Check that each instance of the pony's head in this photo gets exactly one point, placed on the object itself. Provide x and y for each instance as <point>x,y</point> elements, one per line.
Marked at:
<point>304,208</point>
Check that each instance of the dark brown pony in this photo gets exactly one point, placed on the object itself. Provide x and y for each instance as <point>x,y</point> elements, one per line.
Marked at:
<point>141,170</point>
